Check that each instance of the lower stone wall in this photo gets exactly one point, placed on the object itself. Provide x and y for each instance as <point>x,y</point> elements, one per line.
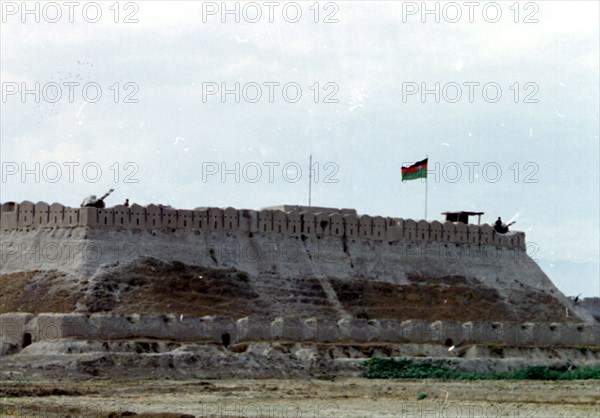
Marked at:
<point>24,328</point>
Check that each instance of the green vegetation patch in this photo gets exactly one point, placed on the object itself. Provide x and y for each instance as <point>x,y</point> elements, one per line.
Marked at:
<point>378,368</point>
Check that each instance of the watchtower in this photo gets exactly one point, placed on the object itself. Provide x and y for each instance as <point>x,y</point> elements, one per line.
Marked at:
<point>462,216</point>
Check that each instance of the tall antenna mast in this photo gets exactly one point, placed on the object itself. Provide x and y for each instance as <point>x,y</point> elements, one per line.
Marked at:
<point>310,181</point>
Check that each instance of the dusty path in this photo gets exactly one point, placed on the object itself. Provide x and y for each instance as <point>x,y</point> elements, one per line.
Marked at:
<point>301,398</point>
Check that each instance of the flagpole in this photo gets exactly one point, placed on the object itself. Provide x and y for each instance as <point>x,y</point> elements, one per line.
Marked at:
<point>426,181</point>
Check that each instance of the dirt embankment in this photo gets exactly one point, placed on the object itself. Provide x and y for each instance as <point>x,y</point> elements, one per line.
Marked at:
<point>444,298</point>
<point>152,286</point>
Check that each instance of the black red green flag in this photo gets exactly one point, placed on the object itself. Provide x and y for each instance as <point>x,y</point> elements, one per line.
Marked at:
<point>416,171</point>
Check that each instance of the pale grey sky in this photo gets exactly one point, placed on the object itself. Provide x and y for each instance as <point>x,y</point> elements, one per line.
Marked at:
<point>365,123</point>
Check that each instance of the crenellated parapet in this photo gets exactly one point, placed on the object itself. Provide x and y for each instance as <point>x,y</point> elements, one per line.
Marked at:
<point>297,223</point>
<point>14,327</point>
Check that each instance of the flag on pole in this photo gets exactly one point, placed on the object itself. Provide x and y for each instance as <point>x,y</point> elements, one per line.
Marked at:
<point>416,171</point>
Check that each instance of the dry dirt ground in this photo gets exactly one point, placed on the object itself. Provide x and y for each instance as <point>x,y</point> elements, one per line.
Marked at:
<point>300,398</point>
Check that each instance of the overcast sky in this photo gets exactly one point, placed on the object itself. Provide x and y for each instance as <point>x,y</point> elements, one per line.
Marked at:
<point>343,82</point>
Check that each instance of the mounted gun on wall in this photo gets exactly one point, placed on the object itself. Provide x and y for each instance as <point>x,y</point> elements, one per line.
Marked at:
<point>92,202</point>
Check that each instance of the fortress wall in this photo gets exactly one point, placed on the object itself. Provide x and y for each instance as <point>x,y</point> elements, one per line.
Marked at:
<point>523,333</point>
<point>153,217</point>
<point>395,230</point>
<point>322,222</point>
<point>52,326</point>
<point>8,216</point>
<point>294,223</point>
<point>337,226</point>
<point>27,215</point>
<point>410,230</point>
<point>389,330</point>
<point>41,214</point>
<point>394,233</point>
<point>486,235</point>
<point>513,334</point>
<point>589,334</point>
<point>359,330</point>
<point>435,231</point>
<point>547,334</point>
<point>122,216</point>
<point>423,231</point>
<point>12,326</point>
<point>201,219</point>
<point>71,217</point>
<point>252,219</point>
<point>137,216</point>
<point>265,221</point>
<point>87,216</point>
<point>280,222</point>
<point>309,222</point>
<point>461,233</point>
<point>365,226</point>
<point>231,220</point>
<point>415,330</point>
<point>519,240</point>
<point>105,217</point>
<point>543,334</point>
<point>250,329</point>
<point>442,330</point>
<point>477,332</point>
<point>516,240</point>
<point>215,219</point>
<point>324,330</point>
<point>185,219</point>
<point>379,228</point>
<point>56,216</point>
<point>351,225</point>
<point>169,218</point>
<point>474,234</point>
<point>448,232</point>
<point>290,329</point>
